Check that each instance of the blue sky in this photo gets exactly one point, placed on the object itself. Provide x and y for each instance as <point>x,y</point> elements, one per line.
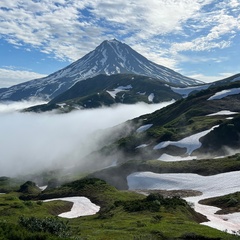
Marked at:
<point>197,38</point>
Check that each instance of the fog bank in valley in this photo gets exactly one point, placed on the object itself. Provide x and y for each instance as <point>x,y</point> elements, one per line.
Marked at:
<point>33,142</point>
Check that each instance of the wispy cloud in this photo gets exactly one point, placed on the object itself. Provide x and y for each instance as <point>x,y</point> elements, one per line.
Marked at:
<point>9,106</point>
<point>161,30</point>
<point>9,77</point>
<point>208,79</point>
<point>61,27</point>
<point>215,28</point>
<point>35,142</point>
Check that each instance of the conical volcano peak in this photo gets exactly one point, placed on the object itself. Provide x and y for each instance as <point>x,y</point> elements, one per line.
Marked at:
<point>110,57</point>
<point>113,41</point>
<point>111,45</point>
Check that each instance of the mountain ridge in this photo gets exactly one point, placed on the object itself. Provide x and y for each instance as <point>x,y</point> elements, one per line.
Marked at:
<point>106,90</point>
<point>110,57</point>
<point>203,125</point>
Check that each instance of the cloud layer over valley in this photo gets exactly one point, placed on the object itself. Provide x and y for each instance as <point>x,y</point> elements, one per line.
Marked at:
<point>33,142</point>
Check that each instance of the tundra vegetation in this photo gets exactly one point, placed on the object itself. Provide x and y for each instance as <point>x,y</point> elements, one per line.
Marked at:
<point>123,214</point>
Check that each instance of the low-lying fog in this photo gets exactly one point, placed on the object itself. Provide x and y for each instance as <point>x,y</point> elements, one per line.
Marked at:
<point>31,142</point>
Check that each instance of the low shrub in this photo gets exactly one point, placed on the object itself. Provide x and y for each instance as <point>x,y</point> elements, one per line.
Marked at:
<point>151,203</point>
<point>47,224</point>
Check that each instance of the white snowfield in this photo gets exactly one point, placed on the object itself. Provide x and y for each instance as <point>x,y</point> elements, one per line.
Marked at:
<point>82,206</point>
<point>119,89</point>
<point>169,158</point>
<point>210,186</point>
<point>223,112</point>
<point>191,143</point>
<point>187,90</point>
<point>42,188</point>
<point>144,128</point>
<point>225,93</point>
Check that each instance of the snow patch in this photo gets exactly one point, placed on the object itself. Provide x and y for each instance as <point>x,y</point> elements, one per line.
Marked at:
<point>144,128</point>
<point>42,188</point>
<point>61,73</point>
<point>104,59</point>
<point>62,105</point>
<point>169,158</point>
<point>191,143</point>
<point>223,112</point>
<point>151,97</point>
<point>187,90</point>
<point>82,206</point>
<point>128,87</point>
<point>118,69</point>
<point>210,186</point>
<point>119,89</point>
<point>225,93</point>
<point>141,93</point>
<point>142,146</point>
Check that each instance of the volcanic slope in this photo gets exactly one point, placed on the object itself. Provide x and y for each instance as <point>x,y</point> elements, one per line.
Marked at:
<point>105,90</point>
<point>110,57</point>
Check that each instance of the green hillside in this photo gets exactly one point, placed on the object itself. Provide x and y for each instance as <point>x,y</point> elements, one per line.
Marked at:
<point>123,215</point>
<point>182,119</point>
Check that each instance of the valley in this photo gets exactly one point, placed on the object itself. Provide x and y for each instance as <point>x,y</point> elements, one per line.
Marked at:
<point>120,148</point>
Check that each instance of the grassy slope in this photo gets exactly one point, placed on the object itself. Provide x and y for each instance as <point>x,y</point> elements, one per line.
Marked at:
<point>229,203</point>
<point>181,119</point>
<point>92,93</point>
<point>8,184</point>
<point>117,175</point>
<point>101,83</point>
<point>113,221</point>
<point>169,221</point>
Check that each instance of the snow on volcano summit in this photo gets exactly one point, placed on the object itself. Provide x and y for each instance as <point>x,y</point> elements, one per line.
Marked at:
<point>110,57</point>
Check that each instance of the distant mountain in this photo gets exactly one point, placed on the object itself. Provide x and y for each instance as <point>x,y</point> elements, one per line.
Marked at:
<point>105,90</point>
<point>225,81</point>
<point>110,57</point>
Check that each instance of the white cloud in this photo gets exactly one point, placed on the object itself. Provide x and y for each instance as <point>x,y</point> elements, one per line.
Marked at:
<point>9,106</point>
<point>156,17</point>
<point>70,29</point>
<point>208,79</point>
<point>9,77</point>
<point>217,27</point>
<point>34,142</point>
